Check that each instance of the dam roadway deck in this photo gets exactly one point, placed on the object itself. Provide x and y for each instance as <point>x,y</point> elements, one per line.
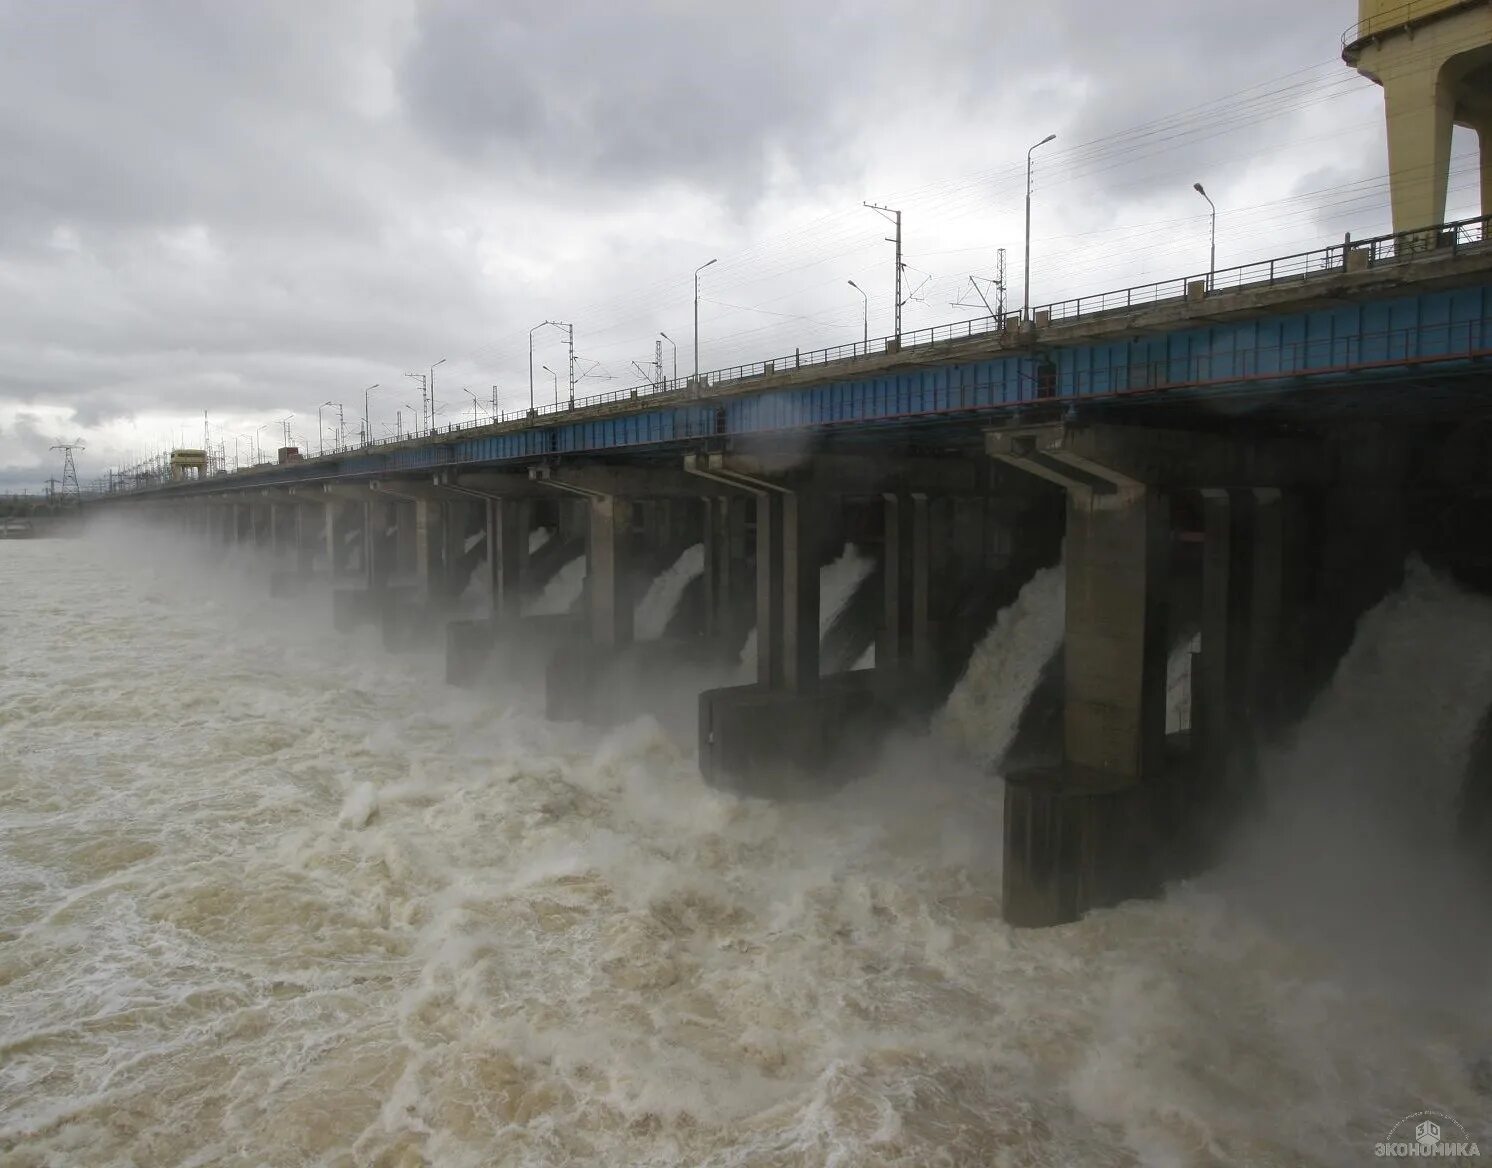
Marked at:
<point>1238,460</point>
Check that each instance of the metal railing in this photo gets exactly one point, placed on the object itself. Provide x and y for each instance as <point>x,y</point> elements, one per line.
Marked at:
<point>1300,268</point>
<point>1348,256</point>
<point>1389,353</point>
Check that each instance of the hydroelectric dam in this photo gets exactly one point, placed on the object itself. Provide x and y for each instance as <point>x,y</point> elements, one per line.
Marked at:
<point>1229,469</point>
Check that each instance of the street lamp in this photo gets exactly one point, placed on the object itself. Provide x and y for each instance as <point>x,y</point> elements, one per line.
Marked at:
<point>669,339</point>
<point>417,413</point>
<point>442,361</point>
<point>1212,255</point>
<point>697,271</point>
<point>865,316</point>
<point>473,397</point>
<point>531,332</point>
<point>555,375</point>
<point>321,433</point>
<point>1026,304</point>
<point>367,428</point>
<point>258,450</point>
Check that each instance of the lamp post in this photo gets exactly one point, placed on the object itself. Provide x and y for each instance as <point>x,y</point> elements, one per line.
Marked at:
<point>320,432</point>
<point>473,397</point>
<point>1212,253</point>
<point>697,271</point>
<point>865,315</point>
<point>258,450</point>
<point>669,339</point>
<point>1026,303</point>
<point>554,375</point>
<point>531,332</point>
<point>442,361</point>
<point>367,430</point>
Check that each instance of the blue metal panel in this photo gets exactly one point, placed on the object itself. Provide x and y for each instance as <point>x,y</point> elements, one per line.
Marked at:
<point>1322,345</point>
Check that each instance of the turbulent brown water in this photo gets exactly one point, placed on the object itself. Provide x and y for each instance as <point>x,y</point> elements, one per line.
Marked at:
<point>270,896</point>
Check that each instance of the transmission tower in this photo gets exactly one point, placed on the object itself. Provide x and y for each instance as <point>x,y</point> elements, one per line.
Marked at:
<point>997,285</point>
<point>68,491</point>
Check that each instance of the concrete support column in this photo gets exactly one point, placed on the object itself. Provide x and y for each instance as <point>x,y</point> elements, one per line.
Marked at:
<point>787,589</point>
<point>893,638</point>
<point>1420,111</point>
<point>905,588</point>
<point>769,592</point>
<point>462,522</point>
<point>1276,596</point>
<point>606,571</point>
<point>429,539</point>
<point>283,527</point>
<point>405,524</point>
<point>715,564</point>
<point>508,525</point>
<point>1221,693</point>
<point>1115,648</point>
<point>309,537</point>
<point>801,521</point>
<point>926,513</point>
<point>1083,836</point>
<point>1483,127</point>
<point>343,523</point>
<point>729,583</point>
<point>380,526</point>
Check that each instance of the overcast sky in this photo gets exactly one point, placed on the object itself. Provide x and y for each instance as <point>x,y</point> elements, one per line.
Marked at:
<point>254,208</point>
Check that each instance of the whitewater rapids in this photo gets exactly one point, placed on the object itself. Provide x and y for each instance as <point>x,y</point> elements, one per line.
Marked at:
<point>270,896</point>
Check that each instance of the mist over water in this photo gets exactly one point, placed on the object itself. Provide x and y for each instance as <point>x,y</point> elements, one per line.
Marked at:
<point>269,895</point>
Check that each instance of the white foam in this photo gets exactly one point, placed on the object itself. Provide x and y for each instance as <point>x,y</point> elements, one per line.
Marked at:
<point>663,595</point>
<point>562,592</point>
<point>551,946</point>
<point>983,712</point>
<point>837,583</point>
<point>360,806</point>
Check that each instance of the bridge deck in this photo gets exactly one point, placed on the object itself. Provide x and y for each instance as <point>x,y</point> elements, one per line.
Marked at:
<point>1306,335</point>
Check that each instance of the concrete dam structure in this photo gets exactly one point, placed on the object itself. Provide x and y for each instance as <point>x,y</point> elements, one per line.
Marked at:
<point>1228,473</point>
<point>1433,59</point>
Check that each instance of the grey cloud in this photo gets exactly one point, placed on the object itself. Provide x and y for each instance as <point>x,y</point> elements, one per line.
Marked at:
<point>135,114</point>
<point>251,207</point>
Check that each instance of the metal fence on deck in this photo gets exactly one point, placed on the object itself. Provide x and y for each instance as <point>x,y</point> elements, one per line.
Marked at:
<point>1300,268</point>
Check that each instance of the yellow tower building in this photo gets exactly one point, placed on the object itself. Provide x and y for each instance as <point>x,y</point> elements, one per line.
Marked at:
<point>1434,61</point>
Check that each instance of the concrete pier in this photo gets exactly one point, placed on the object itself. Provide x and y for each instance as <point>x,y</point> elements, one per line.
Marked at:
<point>793,725</point>
<point>638,521</point>
<point>1244,468</point>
